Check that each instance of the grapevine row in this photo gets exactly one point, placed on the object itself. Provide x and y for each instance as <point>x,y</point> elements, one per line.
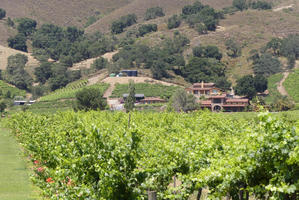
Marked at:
<point>95,155</point>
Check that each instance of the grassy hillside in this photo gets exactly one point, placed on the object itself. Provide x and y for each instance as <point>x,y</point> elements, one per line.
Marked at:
<point>59,12</point>
<point>292,84</point>
<point>69,92</point>
<point>251,28</point>
<point>5,87</point>
<point>272,87</point>
<point>149,90</point>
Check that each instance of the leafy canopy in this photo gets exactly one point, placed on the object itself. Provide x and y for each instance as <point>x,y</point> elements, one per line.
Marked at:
<point>90,99</point>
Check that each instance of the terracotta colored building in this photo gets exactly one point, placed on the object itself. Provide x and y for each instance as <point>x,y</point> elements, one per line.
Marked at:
<point>214,99</point>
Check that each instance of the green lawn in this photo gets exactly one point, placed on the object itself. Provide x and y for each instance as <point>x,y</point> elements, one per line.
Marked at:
<point>14,177</point>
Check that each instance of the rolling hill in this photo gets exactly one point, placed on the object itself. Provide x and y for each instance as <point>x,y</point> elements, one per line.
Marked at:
<point>251,28</point>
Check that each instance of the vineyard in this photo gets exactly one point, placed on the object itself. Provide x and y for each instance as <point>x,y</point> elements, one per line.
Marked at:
<point>4,87</point>
<point>104,155</point>
<point>69,92</point>
<point>149,90</point>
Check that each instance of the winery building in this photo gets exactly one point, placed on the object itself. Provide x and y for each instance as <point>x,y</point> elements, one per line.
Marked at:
<point>211,97</point>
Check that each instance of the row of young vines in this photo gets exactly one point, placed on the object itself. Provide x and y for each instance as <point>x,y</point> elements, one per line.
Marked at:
<point>98,155</point>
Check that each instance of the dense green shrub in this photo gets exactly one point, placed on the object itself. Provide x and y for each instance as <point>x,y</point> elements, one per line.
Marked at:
<point>197,15</point>
<point>249,85</point>
<point>203,69</point>
<point>15,72</point>
<point>119,25</point>
<point>240,4</point>
<point>18,42</point>
<point>69,45</point>
<point>266,65</point>
<point>174,22</point>
<point>10,22</point>
<point>147,28</point>
<point>2,13</point>
<point>90,99</point>
<point>99,63</point>
<point>153,13</point>
<point>264,5</point>
<point>192,9</point>
<point>207,52</point>
<point>181,101</point>
<point>26,26</point>
<point>159,59</point>
<point>233,48</point>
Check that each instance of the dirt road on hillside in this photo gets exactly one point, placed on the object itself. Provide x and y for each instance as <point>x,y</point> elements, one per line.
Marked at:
<point>283,7</point>
<point>86,64</point>
<point>280,86</point>
<point>281,89</point>
<point>5,52</point>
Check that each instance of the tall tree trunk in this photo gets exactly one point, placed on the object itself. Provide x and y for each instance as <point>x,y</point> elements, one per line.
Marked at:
<point>247,195</point>
<point>241,192</point>
<point>227,196</point>
<point>129,120</point>
<point>199,194</point>
<point>174,182</point>
<point>152,195</point>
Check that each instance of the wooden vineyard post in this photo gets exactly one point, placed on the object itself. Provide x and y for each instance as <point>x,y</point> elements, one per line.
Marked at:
<point>152,195</point>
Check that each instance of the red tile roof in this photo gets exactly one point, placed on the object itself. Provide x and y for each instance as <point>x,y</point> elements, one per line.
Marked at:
<point>152,99</point>
<point>205,102</point>
<point>237,100</point>
<point>218,96</point>
<point>234,105</point>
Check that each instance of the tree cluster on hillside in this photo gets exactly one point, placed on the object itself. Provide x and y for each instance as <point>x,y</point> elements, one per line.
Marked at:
<point>199,15</point>
<point>15,72</point>
<point>67,45</point>
<point>55,74</point>
<point>99,63</point>
<point>181,101</point>
<point>18,42</point>
<point>70,45</point>
<point>153,13</point>
<point>203,69</point>
<point>265,64</point>
<point>159,59</point>
<point>206,65</point>
<point>249,86</point>
<point>287,47</point>
<point>173,22</point>
<point>233,48</point>
<point>119,25</point>
<point>147,28</point>
<point>26,26</point>
<point>90,99</point>
<point>2,13</point>
<point>207,51</point>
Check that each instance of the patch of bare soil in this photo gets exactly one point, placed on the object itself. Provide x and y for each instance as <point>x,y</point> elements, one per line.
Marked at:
<point>86,64</point>
<point>283,7</point>
<point>5,52</point>
<point>126,80</point>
